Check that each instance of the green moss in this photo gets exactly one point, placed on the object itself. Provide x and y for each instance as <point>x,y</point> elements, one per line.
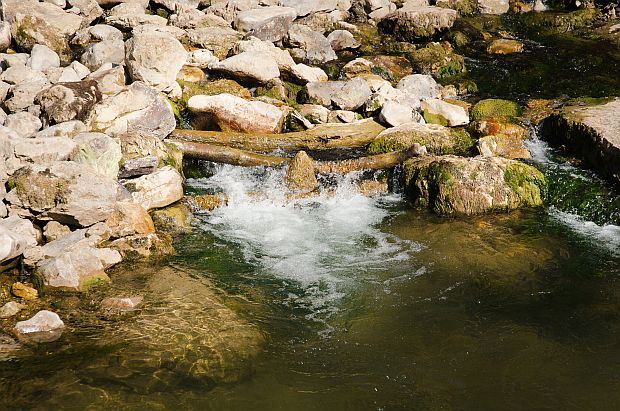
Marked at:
<point>553,22</point>
<point>463,142</point>
<point>527,182</point>
<point>432,118</point>
<point>95,281</point>
<point>434,59</point>
<point>497,109</point>
<point>181,121</point>
<point>458,142</point>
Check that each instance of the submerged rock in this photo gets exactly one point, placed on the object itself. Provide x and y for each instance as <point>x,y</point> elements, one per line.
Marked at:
<point>505,46</point>
<point>11,308</point>
<point>120,305</point>
<point>24,291</point>
<point>591,133</point>
<point>455,185</point>
<point>45,326</point>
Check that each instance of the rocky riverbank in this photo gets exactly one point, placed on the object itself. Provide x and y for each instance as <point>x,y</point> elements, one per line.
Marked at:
<point>91,167</point>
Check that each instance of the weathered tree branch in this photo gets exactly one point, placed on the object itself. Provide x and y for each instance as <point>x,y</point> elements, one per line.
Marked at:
<point>377,162</point>
<point>321,137</point>
<point>228,155</point>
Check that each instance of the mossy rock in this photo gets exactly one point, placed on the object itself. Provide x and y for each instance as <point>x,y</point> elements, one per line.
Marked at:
<point>438,60</point>
<point>212,88</point>
<point>495,108</point>
<point>286,93</point>
<point>432,118</point>
<point>554,22</point>
<point>173,219</point>
<point>438,140</point>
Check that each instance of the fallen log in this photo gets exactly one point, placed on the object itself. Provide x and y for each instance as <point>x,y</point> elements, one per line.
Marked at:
<point>377,162</point>
<point>321,137</point>
<point>227,155</point>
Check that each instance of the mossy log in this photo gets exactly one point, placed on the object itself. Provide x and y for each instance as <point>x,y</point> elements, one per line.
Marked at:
<point>376,162</point>
<point>321,137</point>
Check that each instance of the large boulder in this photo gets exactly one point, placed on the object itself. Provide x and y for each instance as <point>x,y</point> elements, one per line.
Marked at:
<point>106,51</point>
<point>45,150</point>
<point>437,139</point>
<point>44,326</point>
<point>233,113</point>
<point>591,133</point>
<point>156,190</point>
<point>344,95</point>
<point>418,22</point>
<point>69,101</point>
<point>266,23</point>
<point>65,191</point>
<point>245,67</point>
<point>100,152</point>
<point>451,185</point>
<point>419,86</point>
<point>16,235</point>
<point>73,262</point>
<point>156,66</point>
<point>309,45</point>
<point>136,109</point>
<point>34,22</point>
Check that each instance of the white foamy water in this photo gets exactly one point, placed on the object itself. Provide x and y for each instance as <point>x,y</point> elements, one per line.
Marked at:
<point>606,236</point>
<point>322,245</point>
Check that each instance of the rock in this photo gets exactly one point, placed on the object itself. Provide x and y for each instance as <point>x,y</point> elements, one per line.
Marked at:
<point>207,202</point>
<point>5,35</point>
<point>438,59</point>
<point>67,129</point>
<point>156,190</point>
<point>120,305</point>
<point>17,74</point>
<point>591,133</point>
<point>282,57</point>
<point>141,246</point>
<point>45,326</point>
<point>33,23</point>
<point>43,58</point>
<point>345,95</point>
<point>502,146</point>
<point>73,263</point>
<point>300,176</point>
<point>100,53</point>
<point>201,58</point>
<point>343,116</point>
<point>266,23</point>
<point>191,74</point>
<point>155,66</point>
<point>11,308</point>
<point>357,67</point>
<point>394,114</point>
<point>24,291</point>
<point>69,101</point>
<point>100,152</point>
<point>306,74</point>
<point>16,236</point>
<point>54,230</point>
<point>414,23</point>
<point>494,6</point>
<point>392,68</point>
<point>136,167</point>
<point>315,113</point>
<point>419,86</point>
<point>129,219</point>
<point>243,67</point>
<point>229,9</point>
<point>495,109</point>
<point>312,46</point>
<point>441,112</point>
<point>505,46</point>
<point>23,123</point>
<point>45,150</point>
<point>23,94</point>
<point>177,218</point>
<point>233,113</point>
<point>89,9</point>
<point>218,40</point>
<point>129,15</point>
<point>136,109</point>
<point>110,80</point>
<point>454,185</point>
<point>342,40</point>
<point>134,146</point>
<point>437,139</point>
<point>307,7</point>
<point>64,191</point>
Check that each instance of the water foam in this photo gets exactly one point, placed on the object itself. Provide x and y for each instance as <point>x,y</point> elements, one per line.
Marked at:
<point>321,245</point>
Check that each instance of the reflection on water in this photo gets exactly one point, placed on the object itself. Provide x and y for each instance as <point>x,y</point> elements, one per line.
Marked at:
<point>345,302</point>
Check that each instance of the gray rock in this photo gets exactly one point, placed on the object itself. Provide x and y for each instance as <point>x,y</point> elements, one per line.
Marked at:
<point>419,86</point>
<point>11,308</point>
<point>16,236</point>
<point>395,114</point>
<point>156,190</point>
<point>315,113</point>
<point>136,109</point>
<point>244,67</point>
<point>106,51</point>
<point>218,40</point>
<point>253,44</point>
<point>45,150</point>
<point>23,94</point>
<point>229,9</point>
<point>110,80</point>
<point>43,58</point>
<point>345,95</point>
<point>89,10</point>
<point>43,23</point>
<point>65,191</point>
<point>139,166</point>
<point>313,46</point>
<point>44,326</point>
<point>266,23</point>
<point>419,22</point>
<point>342,40</point>
<point>23,123</point>
<point>5,35</point>
<point>306,7</point>
<point>155,66</point>
<point>130,15</point>
<point>17,74</point>
<point>306,74</point>
<point>69,101</point>
<point>494,6</point>
<point>66,129</point>
<point>454,115</point>
<point>100,152</point>
<point>54,230</point>
<point>232,113</point>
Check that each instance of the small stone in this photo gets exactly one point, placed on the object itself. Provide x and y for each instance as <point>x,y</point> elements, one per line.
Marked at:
<point>24,291</point>
<point>11,308</point>
<point>43,58</point>
<point>452,114</point>
<point>157,190</point>
<point>120,305</point>
<point>300,174</point>
<point>45,326</point>
<point>342,40</point>
<point>505,46</point>
<point>54,230</point>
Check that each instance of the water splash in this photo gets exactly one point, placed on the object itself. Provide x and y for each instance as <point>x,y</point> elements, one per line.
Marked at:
<point>321,247</point>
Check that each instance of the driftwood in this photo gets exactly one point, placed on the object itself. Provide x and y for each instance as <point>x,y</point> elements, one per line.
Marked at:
<point>227,155</point>
<point>234,156</point>
<point>376,162</point>
<point>321,137</point>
